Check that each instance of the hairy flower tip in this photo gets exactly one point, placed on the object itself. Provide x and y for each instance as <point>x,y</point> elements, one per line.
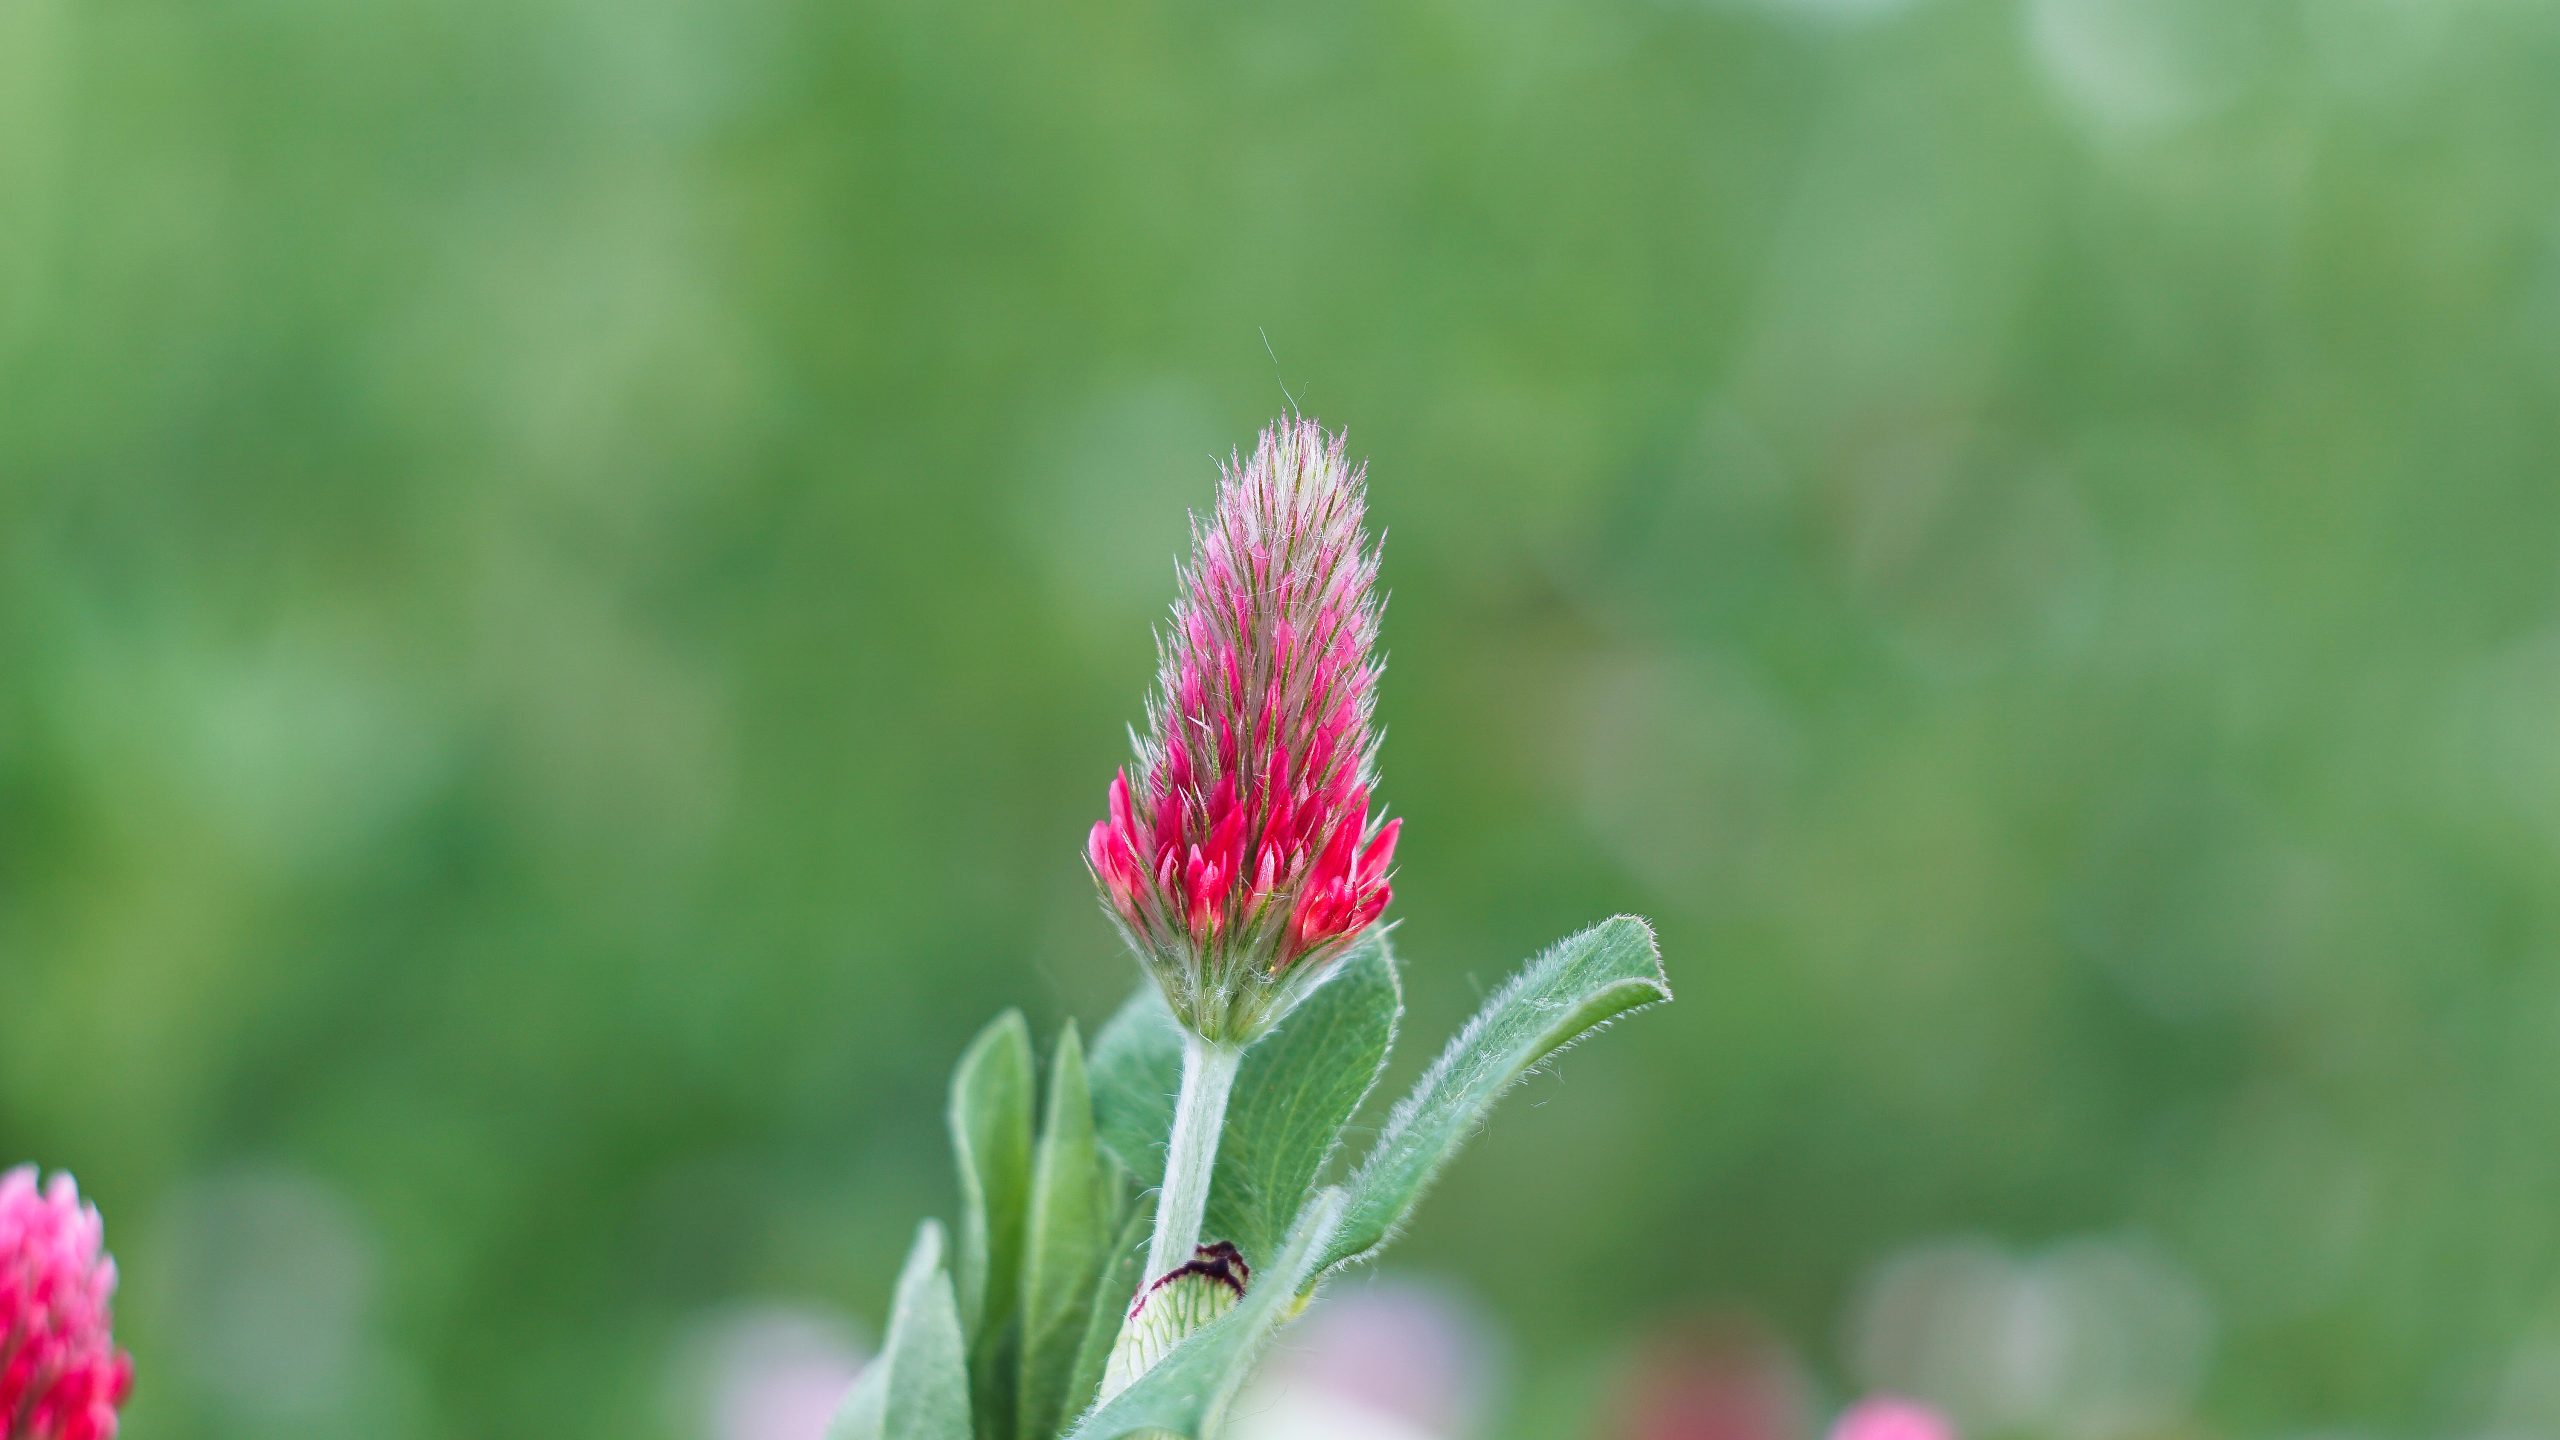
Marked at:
<point>61,1376</point>
<point>1240,854</point>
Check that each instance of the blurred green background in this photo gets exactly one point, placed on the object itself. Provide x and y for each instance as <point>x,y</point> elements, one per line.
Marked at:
<point>572,573</point>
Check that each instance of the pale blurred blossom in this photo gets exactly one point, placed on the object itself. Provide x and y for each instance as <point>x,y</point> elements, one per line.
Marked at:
<point>1396,1360</point>
<point>269,1299</point>
<point>1300,1413</point>
<point>2099,1336</point>
<point>2133,66</point>
<point>766,1372</point>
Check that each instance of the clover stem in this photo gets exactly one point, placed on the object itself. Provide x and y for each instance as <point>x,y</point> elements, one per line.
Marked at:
<point>1208,1073</point>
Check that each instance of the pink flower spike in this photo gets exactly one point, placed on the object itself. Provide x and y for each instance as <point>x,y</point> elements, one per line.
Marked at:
<point>61,1376</point>
<point>1259,862</point>
<point>1887,1417</point>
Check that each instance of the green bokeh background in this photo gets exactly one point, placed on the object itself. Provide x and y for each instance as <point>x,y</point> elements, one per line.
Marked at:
<point>572,571</point>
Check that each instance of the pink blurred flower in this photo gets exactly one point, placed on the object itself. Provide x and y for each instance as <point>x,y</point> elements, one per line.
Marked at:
<point>1723,1377</point>
<point>1240,854</point>
<point>61,1376</point>
<point>1887,1417</point>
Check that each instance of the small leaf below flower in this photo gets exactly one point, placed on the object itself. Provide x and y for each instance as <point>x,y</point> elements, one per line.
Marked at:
<point>1296,1090</point>
<point>1136,1070</point>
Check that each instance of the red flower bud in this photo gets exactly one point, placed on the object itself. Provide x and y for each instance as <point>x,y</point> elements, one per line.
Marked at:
<point>1240,855</point>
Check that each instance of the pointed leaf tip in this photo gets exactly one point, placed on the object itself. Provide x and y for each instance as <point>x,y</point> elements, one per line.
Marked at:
<point>918,1388</point>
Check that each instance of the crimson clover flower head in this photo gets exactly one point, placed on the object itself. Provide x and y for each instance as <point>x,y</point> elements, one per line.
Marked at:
<point>1241,856</point>
<point>61,1376</point>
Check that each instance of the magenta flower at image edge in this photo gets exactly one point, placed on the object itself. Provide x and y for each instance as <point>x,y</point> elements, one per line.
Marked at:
<point>1890,1417</point>
<point>61,1377</point>
<point>1240,855</point>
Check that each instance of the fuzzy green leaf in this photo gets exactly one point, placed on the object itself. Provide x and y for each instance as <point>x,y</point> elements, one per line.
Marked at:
<point>1295,1091</point>
<point>991,1139</point>
<point>1074,1216</point>
<point>919,1387</point>
<point>1577,985</point>
<point>1137,1070</point>
<point>1113,1290</point>
<point>1188,1392</point>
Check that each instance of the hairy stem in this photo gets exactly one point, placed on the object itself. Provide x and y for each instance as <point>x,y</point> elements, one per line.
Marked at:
<point>1208,1072</point>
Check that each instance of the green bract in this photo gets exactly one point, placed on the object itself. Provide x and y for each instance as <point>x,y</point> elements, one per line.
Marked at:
<point>1053,1226</point>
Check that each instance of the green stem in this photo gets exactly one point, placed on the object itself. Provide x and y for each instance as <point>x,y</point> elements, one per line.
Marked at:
<point>1208,1073</point>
